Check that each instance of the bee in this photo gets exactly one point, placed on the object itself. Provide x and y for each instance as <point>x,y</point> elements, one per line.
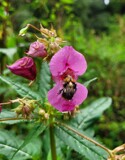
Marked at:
<point>69,88</point>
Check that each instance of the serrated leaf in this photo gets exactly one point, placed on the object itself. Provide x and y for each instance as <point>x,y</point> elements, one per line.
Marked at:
<point>9,143</point>
<point>22,90</point>
<point>90,81</point>
<point>91,112</point>
<point>5,114</point>
<point>82,146</point>
<point>35,132</point>
<point>44,80</point>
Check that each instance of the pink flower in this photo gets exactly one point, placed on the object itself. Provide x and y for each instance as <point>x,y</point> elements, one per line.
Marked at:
<point>68,60</point>
<point>24,67</point>
<point>62,104</point>
<point>66,65</point>
<point>37,49</point>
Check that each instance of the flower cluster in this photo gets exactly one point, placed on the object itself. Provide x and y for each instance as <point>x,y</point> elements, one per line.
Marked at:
<point>43,48</point>
<point>65,66</point>
<point>25,66</point>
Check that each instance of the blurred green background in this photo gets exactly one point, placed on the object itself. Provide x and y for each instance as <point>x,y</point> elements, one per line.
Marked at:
<point>94,28</point>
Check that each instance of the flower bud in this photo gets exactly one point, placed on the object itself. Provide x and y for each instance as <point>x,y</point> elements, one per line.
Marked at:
<point>24,67</point>
<point>46,115</point>
<point>26,111</point>
<point>37,49</point>
<point>23,31</point>
<point>41,112</point>
<point>18,110</point>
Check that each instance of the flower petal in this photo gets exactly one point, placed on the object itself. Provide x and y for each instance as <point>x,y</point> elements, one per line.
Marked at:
<point>61,104</point>
<point>76,61</point>
<point>67,58</point>
<point>56,100</point>
<point>58,62</point>
<point>80,95</point>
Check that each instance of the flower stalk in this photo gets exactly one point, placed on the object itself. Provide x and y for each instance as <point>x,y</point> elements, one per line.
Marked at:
<point>52,142</point>
<point>32,26</point>
<point>11,119</point>
<point>10,102</point>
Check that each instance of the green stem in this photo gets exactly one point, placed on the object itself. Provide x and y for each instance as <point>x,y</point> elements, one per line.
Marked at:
<point>89,139</point>
<point>30,25</point>
<point>52,142</point>
<point>10,119</point>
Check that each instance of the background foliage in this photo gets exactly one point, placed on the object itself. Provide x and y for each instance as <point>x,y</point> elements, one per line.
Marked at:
<point>93,28</point>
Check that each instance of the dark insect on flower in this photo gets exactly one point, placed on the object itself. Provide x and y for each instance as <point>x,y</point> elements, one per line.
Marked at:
<point>66,65</point>
<point>69,88</point>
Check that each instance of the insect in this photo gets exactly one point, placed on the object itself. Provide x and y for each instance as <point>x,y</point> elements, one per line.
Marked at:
<point>69,88</point>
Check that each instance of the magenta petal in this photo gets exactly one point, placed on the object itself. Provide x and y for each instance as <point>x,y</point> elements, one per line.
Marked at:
<point>80,95</point>
<point>58,62</point>
<point>67,58</point>
<point>61,104</point>
<point>76,61</point>
<point>57,101</point>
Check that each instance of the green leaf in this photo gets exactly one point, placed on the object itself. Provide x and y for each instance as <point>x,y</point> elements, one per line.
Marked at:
<point>9,51</point>
<point>88,82</point>
<point>9,143</point>
<point>5,114</point>
<point>67,1</point>
<point>80,145</point>
<point>91,113</point>
<point>35,132</point>
<point>44,80</point>
<point>22,90</point>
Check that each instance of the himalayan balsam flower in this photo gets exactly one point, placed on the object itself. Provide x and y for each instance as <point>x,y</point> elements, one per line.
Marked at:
<point>66,65</point>
<point>24,67</point>
<point>37,49</point>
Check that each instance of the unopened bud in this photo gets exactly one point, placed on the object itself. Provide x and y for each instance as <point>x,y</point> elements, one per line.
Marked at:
<point>23,31</point>
<point>26,111</point>
<point>47,104</point>
<point>66,116</point>
<point>18,110</point>
<point>41,112</point>
<point>37,49</point>
<point>46,115</point>
<point>24,67</point>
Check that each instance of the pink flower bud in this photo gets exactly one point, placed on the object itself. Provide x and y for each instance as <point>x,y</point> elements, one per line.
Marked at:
<point>37,49</point>
<point>24,67</point>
